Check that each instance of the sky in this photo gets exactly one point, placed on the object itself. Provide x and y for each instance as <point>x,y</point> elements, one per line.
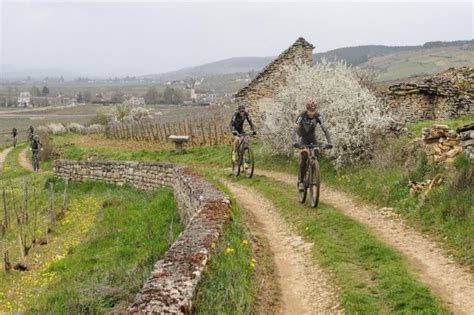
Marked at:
<point>118,38</point>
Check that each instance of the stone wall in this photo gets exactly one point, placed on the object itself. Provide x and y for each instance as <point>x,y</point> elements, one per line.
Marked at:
<point>466,135</point>
<point>261,90</point>
<point>448,94</point>
<point>202,207</point>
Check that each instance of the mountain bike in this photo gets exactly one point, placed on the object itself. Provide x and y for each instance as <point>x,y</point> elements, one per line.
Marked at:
<point>312,180</point>
<point>245,160</point>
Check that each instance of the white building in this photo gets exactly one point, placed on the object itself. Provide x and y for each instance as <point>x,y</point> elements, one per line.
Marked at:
<point>24,99</point>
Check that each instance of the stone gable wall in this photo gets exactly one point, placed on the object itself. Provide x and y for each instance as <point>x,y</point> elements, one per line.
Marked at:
<point>266,84</point>
<point>202,207</point>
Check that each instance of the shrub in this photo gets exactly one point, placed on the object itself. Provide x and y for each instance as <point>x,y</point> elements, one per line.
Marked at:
<point>351,111</point>
<point>56,129</point>
<point>75,127</point>
<point>96,128</point>
<point>46,145</point>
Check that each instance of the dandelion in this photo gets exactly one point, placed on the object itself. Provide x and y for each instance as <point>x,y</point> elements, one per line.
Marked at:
<point>229,250</point>
<point>245,242</point>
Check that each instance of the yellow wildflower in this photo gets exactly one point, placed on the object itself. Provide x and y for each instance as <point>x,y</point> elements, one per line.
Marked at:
<point>229,250</point>
<point>245,242</point>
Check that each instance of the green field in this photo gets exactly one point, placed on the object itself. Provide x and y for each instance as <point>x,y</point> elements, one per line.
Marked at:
<point>421,61</point>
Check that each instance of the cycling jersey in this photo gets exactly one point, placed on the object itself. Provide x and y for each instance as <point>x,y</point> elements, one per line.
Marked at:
<point>237,122</point>
<point>305,129</point>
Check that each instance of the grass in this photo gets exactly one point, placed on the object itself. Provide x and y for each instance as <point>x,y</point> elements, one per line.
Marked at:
<point>452,123</point>
<point>372,277</point>
<point>97,257</point>
<point>104,249</point>
<point>228,283</point>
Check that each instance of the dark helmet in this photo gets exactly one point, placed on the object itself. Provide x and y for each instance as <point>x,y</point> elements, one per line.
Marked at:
<point>241,108</point>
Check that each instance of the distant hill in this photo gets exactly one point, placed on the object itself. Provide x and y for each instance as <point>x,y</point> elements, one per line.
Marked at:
<point>357,55</point>
<point>226,66</point>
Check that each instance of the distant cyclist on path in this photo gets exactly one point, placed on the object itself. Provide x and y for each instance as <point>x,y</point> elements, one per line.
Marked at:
<point>14,136</point>
<point>237,128</point>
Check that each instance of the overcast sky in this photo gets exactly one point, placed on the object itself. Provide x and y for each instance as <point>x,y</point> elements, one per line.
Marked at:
<point>128,38</point>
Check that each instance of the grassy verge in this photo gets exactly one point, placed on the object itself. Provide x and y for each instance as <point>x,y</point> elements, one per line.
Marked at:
<point>372,277</point>
<point>108,268</point>
<point>233,279</point>
<point>98,256</point>
<point>452,123</point>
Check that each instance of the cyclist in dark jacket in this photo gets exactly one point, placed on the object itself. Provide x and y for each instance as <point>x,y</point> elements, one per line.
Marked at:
<point>14,136</point>
<point>237,127</point>
<point>31,132</point>
<point>304,133</point>
<point>36,147</point>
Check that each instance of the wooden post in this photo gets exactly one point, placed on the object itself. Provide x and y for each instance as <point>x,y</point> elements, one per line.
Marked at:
<point>51,203</point>
<point>22,246</point>
<point>6,261</point>
<point>65,200</point>
<point>6,217</point>
<point>24,216</point>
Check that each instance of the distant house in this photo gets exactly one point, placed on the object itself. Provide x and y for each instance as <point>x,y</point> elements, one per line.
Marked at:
<point>24,100</point>
<point>135,101</point>
<point>259,93</point>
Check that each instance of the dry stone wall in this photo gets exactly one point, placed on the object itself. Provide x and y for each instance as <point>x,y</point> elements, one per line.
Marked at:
<point>262,89</point>
<point>202,207</point>
<point>466,135</point>
<point>449,94</point>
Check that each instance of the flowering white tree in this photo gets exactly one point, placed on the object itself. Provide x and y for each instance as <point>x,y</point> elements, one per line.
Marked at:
<point>126,113</point>
<point>351,111</point>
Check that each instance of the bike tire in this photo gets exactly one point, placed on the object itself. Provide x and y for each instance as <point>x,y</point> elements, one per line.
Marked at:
<point>315,184</point>
<point>248,160</point>
<point>303,194</point>
<point>235,165</point>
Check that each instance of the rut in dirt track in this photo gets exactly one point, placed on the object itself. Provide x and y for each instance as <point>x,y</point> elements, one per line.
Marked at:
<point>453,283</point>
<point>3,156</point>
<point>305,287</point>
<point>23,160</point>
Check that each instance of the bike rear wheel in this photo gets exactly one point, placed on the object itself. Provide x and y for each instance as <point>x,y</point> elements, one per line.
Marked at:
<point>248,162</point>
<point>314,184</point>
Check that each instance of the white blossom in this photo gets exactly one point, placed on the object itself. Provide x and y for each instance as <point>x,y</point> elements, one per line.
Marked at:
<point>352,113</point>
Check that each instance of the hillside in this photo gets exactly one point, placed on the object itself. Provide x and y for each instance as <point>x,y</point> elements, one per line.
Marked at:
<point>420,61</point>
<point>357,55</point>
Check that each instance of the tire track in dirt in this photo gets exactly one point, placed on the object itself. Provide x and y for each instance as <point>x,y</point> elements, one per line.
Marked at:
<point>23,160</point>
<point>3,156</point>
<point>451,282</point>
<point>305,287</point>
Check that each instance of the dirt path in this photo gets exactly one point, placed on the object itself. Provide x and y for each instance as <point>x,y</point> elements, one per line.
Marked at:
<point>3,156</point>
<point>305,287</point>
<point>454,284</point>
<point>24,161</point>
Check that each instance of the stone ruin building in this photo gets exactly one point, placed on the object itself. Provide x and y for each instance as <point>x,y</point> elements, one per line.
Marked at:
<point>448,94</point>
<point>260,91</point>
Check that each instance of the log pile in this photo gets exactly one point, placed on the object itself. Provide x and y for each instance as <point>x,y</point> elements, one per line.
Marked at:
<point>466,135</point>
<point>442,143</point>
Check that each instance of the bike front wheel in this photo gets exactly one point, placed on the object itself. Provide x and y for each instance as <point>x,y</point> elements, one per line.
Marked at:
<point>235,164</point>
<point>304,192</point>
<point>314,184</point>
<point>248,162</point>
